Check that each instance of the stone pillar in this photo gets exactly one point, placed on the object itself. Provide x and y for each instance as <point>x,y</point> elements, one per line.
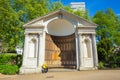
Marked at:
<point>95,51</point>
<point>39,46</point>
<point>80,50</point>
<point>77,51</point>
<point>38,54</point>
<point>24,62</point>
<point>40,50</point>
<point>25,51</point>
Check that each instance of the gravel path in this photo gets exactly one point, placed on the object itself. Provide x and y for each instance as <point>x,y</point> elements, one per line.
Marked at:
<point>68,75</point>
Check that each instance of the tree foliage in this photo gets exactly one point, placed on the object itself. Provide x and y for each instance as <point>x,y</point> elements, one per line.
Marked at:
<point>108,27</point>
<point>104,49</point>
<point>14,13</point>
<point>10,26</point>
<point>108,32</point>
<point>83,14</point>
<point>58,5</point>
<point>30,9</point>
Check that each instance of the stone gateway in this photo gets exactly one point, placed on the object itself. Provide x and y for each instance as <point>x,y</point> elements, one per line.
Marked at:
<point>61,40</point>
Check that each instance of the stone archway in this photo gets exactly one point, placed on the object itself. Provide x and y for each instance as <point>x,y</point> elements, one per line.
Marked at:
<point>60,48</point>
<point>59,38</point>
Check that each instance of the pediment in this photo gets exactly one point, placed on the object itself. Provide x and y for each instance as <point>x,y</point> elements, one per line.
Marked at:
<point>40,21</point>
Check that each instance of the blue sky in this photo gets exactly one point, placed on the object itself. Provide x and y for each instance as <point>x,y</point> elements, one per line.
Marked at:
<point>94,5</point>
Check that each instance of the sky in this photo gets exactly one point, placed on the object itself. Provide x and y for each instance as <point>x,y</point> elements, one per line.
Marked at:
<point>95,5</point>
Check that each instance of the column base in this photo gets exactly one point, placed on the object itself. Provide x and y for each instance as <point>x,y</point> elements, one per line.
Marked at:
<point>88,68</point>
<point>28,70</point>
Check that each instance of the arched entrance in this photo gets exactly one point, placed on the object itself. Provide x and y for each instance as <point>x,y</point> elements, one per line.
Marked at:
<point>62,40</point>
<point>60,48</point>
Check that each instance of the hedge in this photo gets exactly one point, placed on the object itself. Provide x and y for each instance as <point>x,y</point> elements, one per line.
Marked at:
<point>9,69</point>
<point>10,63</point>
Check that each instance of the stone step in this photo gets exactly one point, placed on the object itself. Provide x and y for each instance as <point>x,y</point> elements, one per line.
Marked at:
<point>61,70</point>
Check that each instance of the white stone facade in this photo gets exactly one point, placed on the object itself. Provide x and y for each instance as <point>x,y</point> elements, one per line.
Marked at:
<point>59,23</point>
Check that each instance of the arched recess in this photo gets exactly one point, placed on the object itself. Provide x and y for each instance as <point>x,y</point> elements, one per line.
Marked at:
<point>32,48</point>
<point>60,50</point>
<point>60,27</point>
<point>87,48</point>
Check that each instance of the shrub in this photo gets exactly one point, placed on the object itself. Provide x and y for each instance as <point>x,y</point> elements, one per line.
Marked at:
<point>104,47</point>
<point>114,66</point>
<point>1,68</point>
<point>114,60</point>
<point>10,63</point>
<point>101,65</point>
<point>13,59</point>
<point>19,60</point>
<point>7,58</point>
<point>9,69</point>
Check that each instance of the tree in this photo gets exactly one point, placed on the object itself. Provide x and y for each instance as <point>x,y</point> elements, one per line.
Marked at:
<point>107,35</point>
<point>81,13</point>
<point>58,5</point>
<point>104,47</point>
<point>13,13</point>
<point>108,25</point>
<point>10,26</point>
<point>30,9</point>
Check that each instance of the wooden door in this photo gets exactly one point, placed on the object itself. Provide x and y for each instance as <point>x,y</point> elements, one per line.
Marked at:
<point>60,51</point>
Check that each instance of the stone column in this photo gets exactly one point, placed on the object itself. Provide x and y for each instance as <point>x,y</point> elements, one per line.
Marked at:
<point>25,51</point>
<point>38,50</point>
<point>95,51</point>
<point>80,50</point>
<point>77,50</point>
<point>38,54</point>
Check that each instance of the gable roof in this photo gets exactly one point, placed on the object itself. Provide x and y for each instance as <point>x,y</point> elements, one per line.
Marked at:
<point>59,11</point>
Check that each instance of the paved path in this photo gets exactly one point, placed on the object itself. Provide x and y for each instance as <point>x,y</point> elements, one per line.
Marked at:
<point>68,75</point>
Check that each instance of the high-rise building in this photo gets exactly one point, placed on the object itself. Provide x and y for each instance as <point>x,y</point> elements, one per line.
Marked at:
<point>77,6</point>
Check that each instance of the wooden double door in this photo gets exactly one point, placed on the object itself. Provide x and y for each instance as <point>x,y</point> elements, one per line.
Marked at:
<point>60,51</point>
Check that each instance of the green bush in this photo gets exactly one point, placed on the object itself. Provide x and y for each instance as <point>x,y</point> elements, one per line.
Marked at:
<point>114,60</point>
<point>101,65</point>
<point>13,59</point>
<point>10,63</point>
<point>19,60</point>
<point>9,69</point>
<point>1,68</point>
<point>114,65</point>
<point>8,58</point>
